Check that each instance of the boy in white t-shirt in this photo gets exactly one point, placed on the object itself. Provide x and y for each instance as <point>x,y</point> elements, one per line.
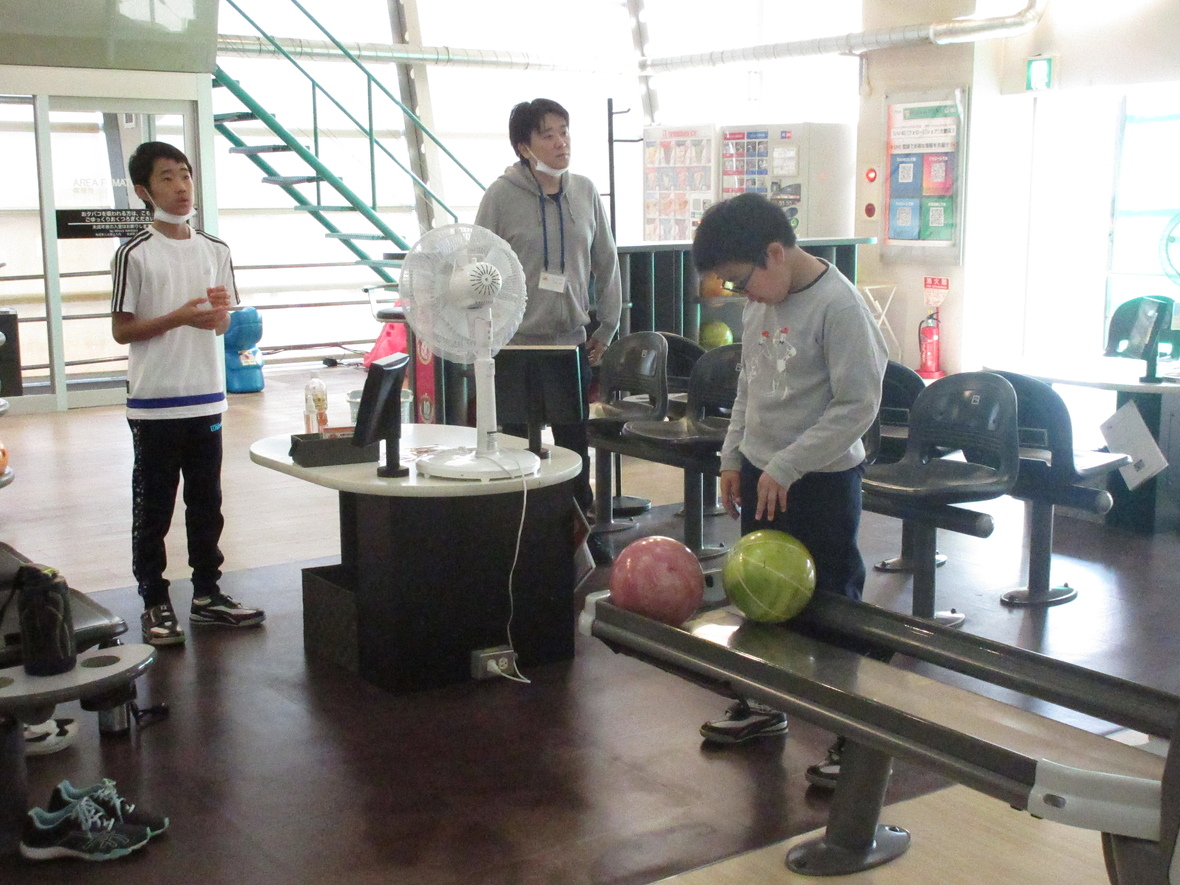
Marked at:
<point>173,288</point>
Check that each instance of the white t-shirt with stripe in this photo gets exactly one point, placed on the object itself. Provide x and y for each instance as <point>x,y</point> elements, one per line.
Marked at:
<point>181,373</point>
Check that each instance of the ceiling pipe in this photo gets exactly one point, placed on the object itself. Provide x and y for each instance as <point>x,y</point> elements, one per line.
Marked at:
<point>936,33</point>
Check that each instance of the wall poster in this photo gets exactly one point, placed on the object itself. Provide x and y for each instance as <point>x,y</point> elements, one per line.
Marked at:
<point>678,183</point>
<point>924,192</point>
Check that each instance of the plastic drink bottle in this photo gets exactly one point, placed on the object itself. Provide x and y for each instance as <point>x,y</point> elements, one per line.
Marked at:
<point>315,405</point>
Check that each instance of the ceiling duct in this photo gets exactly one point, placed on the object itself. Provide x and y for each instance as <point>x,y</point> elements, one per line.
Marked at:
<point>936,33</point>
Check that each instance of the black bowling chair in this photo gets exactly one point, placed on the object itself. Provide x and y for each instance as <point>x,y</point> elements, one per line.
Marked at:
<point>633,381</point>
<point>683,354</point>
<point>632,385</point>
<point>899,388</point>
<point>712,388</point>
<point>971,411</point>
<point>1051,473</point>
<point>1136,329</point>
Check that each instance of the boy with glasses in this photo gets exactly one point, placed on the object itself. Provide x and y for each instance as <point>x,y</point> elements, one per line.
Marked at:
<point>812,363</point>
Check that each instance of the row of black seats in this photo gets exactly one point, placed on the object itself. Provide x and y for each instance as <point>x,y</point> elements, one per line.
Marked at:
<point>974,436</point>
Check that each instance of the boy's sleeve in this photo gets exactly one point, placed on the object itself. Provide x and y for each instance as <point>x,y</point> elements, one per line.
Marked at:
<point>225,277</point>
<point>126,279</point>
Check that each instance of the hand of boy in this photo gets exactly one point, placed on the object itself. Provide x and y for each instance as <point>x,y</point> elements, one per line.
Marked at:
<point>218,297</point>
<point>770,494</point>
<point>730,488</point>
<point>201,313</point>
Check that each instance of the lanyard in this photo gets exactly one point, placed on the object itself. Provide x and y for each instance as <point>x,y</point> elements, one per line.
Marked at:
<point>545,230</point>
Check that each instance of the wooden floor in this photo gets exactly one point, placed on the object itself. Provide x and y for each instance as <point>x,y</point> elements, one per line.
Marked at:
<point>277,771</point>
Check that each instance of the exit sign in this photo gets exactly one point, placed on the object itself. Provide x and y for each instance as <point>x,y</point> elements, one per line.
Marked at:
<point>1038,73</point>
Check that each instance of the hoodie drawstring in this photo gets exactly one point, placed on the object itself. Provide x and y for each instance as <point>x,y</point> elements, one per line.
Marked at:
<point>545,230</point>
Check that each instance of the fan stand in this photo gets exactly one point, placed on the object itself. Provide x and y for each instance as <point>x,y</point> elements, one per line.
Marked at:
<point>485,462</point>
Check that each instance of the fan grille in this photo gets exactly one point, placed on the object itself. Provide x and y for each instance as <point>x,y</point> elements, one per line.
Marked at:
<point>446,281</point>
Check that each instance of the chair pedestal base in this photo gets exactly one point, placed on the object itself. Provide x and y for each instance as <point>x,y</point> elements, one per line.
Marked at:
<point>695,483</point>
<point>951,618</point>
<point>923,551</point>
<point>630,505</point>
<point>1039,531</point>
<point>905,564</point>
<point>612,525</point>
<point>604,509</point>
<point>1030,597</point>
<point>905,561</point>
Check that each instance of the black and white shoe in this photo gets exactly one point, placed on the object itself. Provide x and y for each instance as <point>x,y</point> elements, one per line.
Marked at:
<point>826,774</point>
<point>159,626</point>
<point>221,609</point>
<point>744,721</point>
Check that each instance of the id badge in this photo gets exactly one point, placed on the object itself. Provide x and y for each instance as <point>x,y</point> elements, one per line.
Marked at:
<point>553,282</point>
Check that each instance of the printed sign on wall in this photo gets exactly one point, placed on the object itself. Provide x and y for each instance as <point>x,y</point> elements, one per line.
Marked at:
<point>923,190</point>
<point>677,180</point>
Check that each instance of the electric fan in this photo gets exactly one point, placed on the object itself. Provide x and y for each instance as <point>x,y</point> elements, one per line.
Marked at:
<point>463,292</point>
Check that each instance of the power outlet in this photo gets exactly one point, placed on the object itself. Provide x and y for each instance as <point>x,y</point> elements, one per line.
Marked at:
<point>489,662</point>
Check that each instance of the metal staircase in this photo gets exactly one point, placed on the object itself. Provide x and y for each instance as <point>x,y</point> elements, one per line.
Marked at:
<point>329,195</point>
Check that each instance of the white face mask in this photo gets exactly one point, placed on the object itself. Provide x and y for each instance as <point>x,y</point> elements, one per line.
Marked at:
<point>161,215</point>
<point>545,167</point>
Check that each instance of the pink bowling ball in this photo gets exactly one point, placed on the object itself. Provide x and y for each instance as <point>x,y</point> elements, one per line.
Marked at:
<point>659,578</point>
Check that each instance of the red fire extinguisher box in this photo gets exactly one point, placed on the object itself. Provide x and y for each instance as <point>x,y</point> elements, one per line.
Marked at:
<point>929,349</point>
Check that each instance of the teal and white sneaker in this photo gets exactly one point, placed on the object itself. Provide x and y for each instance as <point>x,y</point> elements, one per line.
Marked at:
<point>82,830</point>
<point>105,796</point>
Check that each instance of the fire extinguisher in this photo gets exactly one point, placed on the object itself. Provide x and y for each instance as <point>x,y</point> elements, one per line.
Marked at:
<point>928,347</point>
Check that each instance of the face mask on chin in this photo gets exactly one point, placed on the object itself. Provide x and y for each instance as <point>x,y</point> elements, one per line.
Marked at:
<point>545,167</point>
<point>168,217</point>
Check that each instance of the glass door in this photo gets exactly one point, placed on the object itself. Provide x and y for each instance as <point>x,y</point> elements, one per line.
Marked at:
<point>68,209</point>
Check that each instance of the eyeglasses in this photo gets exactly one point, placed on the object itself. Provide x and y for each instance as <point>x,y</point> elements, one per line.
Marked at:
<point>739,287</point>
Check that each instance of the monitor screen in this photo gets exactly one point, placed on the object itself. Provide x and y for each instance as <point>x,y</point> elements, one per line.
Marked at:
<point>539,385</point>
<point>378,416</point>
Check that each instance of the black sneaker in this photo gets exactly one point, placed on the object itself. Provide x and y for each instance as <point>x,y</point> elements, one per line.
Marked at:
<point>826,774</point>
<point>81,830</point>
<point>745,721</point>
<point>104,795</point>
<point>220,609</point>
<point>49,736</point>
<point>160,627</point>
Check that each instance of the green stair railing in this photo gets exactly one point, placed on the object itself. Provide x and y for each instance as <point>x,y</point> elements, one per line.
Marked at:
<point>301,201</point>
<point>319,172</point>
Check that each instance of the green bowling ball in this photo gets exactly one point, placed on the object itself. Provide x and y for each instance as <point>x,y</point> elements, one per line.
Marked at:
<point>714,334</point>
<point>769,576</point>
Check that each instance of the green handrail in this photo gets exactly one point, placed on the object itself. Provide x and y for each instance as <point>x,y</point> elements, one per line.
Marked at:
<point>368,132</point>
<point>374,81</point>
<point>301,200</point>
<point>307,156</point>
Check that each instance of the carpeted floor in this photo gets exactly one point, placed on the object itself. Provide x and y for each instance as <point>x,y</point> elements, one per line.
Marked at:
<point>277,770</point>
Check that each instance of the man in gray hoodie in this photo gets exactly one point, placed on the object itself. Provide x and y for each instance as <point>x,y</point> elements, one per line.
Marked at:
<point>554,221</point>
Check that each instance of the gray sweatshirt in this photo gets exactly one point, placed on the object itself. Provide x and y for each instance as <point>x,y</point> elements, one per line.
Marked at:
<point>810,383</point>
<point>513,207</point>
